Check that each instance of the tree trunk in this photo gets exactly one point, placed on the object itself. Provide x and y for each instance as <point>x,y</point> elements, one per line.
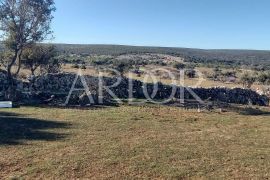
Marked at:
<point>19,62</point>
<point>10,65</point>
<point>32,71</point>
<point>10,93</point>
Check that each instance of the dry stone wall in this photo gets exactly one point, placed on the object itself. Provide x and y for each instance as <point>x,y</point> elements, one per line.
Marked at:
<point>59,86</point>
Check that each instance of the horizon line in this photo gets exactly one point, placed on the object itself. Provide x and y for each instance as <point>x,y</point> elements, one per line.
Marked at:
<point>156,46</point>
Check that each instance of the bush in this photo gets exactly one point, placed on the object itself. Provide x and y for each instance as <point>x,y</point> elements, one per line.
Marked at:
<point>83,66</point>
<point>190,73</point>
<point>76,66</point>
<point>42,57</point>
<point>217,72</point>
<point>54,66</point>
<point>179,65</point>
<point>264,78</point>
<point>230,74</point>
<point>247,79</point>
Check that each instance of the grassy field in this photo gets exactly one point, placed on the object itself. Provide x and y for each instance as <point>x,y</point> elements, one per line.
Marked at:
<point>132,142</point>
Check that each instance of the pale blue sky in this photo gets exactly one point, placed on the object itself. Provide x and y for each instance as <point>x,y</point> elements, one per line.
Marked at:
<point>214,24</point>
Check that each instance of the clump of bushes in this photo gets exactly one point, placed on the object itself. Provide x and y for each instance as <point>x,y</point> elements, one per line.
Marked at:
<point>190,73</point>
<point>264,78</point>
<point>75,66</point>
<point>179,65</point>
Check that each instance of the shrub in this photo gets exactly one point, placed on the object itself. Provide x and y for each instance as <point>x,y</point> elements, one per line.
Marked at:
<point>76,66</point>
<point>179,65</point>
<point>264,78</point>
<point>190,73</point>
<point>83,66</point>
<point>247,79</point>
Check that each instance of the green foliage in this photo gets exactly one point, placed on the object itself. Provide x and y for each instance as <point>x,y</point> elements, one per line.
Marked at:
<point>23,23</point>
<point>76,66</point>
<point>211,58</point>
<point>264,78</point>
<point>247,79</point>
<point>190,73</point>
<point>122,67</point>
<point>83,66</point>
<point>101,61</point>
<point>5,57</point>
<point>54,66</point>
<point>40,56</point>
<point>179,65</point>
<point>217,72</point>
<point>229,74</point>
<point>257,60</point>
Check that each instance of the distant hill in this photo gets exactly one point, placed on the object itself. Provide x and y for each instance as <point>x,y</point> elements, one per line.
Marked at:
<point>121,49</point>
<point>227,57</point>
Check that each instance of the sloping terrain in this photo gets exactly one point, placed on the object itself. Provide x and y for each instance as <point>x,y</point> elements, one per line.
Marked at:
<point>224,57</point>
<point>200,55</point>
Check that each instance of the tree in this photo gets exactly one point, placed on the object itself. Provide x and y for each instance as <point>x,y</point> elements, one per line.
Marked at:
<point>190,73</point>
<point>122,66</point>
<point>23,23</point>
<point>217,72</point>
<point>39,56</point>
<point>264,78</point>
<point>230,74</point>
<point>4,58</point>
<point>54,66</point>
<point>179,66</point>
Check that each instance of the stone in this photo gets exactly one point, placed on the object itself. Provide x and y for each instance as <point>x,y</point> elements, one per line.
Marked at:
<point>59,85</point>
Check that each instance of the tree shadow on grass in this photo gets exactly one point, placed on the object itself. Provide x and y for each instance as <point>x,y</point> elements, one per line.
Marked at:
<point>16,129</point>
<point>249,111</point>
<point>76,107</point>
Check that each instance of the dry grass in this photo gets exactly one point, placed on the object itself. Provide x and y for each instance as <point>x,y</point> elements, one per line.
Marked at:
<point>195,82</point>
<point>132,142</point>
<point>192,82</point>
